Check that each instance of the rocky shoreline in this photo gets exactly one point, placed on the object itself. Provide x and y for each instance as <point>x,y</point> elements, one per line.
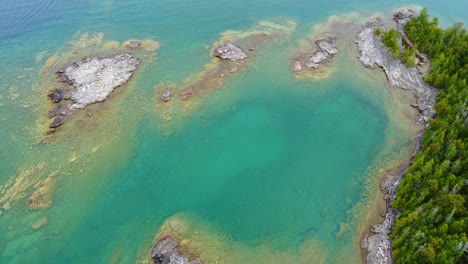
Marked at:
<point>374,54</point>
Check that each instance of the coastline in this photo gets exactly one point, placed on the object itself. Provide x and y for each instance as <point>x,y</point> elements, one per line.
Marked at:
<point>151,112</point>
<point>372,53</point>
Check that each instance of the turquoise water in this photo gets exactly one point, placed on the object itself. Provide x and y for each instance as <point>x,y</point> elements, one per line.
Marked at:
<point>266,159</point>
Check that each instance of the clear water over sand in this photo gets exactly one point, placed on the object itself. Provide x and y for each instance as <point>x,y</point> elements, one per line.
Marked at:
<point>267,167</point>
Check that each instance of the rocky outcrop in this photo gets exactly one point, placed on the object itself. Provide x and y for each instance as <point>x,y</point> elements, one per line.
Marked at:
<point>166,95</point>
<point>89,81</point>
<point>229,51</point>
<point>95,78</point>
<point>374,54</point>
<point>404,15</point>
<point>325,50</point>
<point>165,252</point>
<point>56,95</point>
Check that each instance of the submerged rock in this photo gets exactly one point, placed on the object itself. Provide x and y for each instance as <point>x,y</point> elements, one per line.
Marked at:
<point>60,110</point>
<point>373,53</point>
<point>297,66</point>
<point>56,95</point>
<point>229,51</point>
<point>165,252</point>
<point>186,93</point>
<point>40,223</point>
<point>134,44</point>
<point>95,78</point>
<point>58,121</point>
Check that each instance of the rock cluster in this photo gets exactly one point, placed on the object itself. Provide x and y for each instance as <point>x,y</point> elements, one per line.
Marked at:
<point>95,78</point>
<point>89,81</point>
<point>229,51</point>
<point>326,49</point>
<point>165,252</point>
<point>373,53</point>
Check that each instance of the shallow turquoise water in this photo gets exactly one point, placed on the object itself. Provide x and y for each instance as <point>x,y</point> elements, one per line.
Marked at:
<point>278,160</point>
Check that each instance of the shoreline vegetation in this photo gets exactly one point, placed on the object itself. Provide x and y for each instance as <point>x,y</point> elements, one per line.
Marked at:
<point>427,216</point>
<point>432,221</point>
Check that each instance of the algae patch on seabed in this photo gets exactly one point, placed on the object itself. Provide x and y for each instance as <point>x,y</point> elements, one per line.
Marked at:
<point>199,239</point>
<point>187,96</point>
<point>78,50</point>
<point>87,134</point>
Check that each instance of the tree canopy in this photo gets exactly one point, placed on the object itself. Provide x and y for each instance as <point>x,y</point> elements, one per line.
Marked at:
<point>432,199</point>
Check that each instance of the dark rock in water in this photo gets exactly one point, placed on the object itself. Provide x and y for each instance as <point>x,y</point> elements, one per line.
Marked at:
<point>165,252</point>
<point>186,93</point>
<point>134,44</point>
<point>229,51</point>
<point>166,95</point>
<point>56,95</point>
<point>60,110</point>
<point>58,121</point>
<point>49,132</point>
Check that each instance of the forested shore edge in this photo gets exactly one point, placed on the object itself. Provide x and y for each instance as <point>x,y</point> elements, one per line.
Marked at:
<point>431,200</point>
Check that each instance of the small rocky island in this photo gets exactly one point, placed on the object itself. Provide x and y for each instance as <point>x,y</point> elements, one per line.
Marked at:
<point>325,51</point>
<point>89,81</point>
<point>231,60</point>
<point>165,251</point>
<point>229,51</point>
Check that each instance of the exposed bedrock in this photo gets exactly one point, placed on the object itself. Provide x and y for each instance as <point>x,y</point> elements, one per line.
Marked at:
<point>95,78</point>
<point>404,15</point>
<point>229,51</point>
<point>165,252</point>
<point>89,81</point>
<point>325,50</point>
<point>374,54</point>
